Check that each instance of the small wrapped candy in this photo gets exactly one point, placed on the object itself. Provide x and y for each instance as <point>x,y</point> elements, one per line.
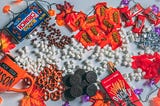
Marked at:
<point>155,9</point>
<point>66,104</point>
<point>95,33</point>
<point>90,21</point>
<point>114,16</point>
<point>115,39</point>
<point>157,30</point>
<point>127,19</point>
<point>125,2</point>
<point>139,24</point>
<point>85,98</point>
<point>151,16</point>
<point>138,91</point>
<point>149,83</point>
<point>84,38</point>
<point>135,10</point>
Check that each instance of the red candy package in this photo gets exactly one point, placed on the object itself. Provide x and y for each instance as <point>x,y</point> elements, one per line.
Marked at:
<point>127,19</point>
<point>151,16</point>
<point>95,33</point>
<point>119,90</point>
<point>103,42</point>
<point>84,38</point>
<point>136,9</point>
<point>101,10</point>
<point>114,16</point>
<point>115,39</point>
<point>106,25</point>
<point>90,21</point>
<point>139,24</point>
<point>74,20</point>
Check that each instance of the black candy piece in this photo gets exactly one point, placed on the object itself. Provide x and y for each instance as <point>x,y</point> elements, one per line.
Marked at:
<point>91,90</point>
<point>80,72</point>
<point>66,81</point>
<point>76,91</point>
<point>91,77</point>
<point>68,96</point>
<point>75,80</point>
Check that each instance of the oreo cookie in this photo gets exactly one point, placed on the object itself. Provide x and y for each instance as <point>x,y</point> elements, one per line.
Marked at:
<point>91,77</point>
<point>91,90</point>
<point>76,91</point>
<point>66,81</point>
<point>80,72</point>
<point>68,96</point>
<point>84,84</point>
<point>75,79</point>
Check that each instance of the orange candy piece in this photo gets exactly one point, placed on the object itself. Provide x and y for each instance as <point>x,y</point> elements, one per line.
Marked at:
<point>60,22</point>
<point>155,101</point>
<point>1,100</point>
<point>51,12</point>
<point>17,1</point>
<point>6,8</point>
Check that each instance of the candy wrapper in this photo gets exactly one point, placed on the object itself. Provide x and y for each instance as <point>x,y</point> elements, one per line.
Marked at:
<point>84,38</point>
<point>26,21</point>
<point>148,63</point>
<point>119,90</point>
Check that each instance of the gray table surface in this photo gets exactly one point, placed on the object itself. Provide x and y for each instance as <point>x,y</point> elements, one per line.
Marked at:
<point>11,99</point>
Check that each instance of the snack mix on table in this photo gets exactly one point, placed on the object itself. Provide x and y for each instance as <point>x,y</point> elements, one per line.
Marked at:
<point>65,65</point>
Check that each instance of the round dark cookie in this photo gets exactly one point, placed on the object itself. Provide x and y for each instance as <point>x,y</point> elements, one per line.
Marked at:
<point>76,91</point>
<point>66,81</point>
<point>91,77</point>
<point>68,96</point>
<point>91,90</point>
<point>84,84</point>
<point>80,72</point>
<point>75,79</point>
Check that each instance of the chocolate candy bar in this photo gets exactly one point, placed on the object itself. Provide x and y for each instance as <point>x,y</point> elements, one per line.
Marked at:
<point>26,21</point>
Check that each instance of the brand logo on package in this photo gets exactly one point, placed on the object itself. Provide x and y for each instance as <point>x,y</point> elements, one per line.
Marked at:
<point>27,20</point>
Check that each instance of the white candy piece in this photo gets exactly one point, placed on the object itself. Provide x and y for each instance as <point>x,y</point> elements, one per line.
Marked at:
<point>143,73</point>
<point>125,75</point>
<point>139,70</point>
<point>131,74</point>
<point>137,78</point>
<point>132,78</point>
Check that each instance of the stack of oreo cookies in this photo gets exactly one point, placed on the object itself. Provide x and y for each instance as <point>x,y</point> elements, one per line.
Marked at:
<point>79,83</point>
